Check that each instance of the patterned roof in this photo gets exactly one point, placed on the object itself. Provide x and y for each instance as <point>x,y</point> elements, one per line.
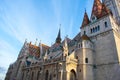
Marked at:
<point>99,9</point>
<point>86,20</point>
<point>35,50</point>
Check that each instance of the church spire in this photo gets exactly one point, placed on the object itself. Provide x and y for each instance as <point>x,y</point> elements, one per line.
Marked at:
<point>85,20</point>
<point>58,39</point>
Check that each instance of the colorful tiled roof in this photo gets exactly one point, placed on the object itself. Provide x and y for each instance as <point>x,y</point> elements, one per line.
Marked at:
<point>34,50</point>
<point>86,20</point>
<point>99,9</point>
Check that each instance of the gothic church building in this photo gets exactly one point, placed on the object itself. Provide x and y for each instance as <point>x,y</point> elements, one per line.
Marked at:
<point>93,54</point>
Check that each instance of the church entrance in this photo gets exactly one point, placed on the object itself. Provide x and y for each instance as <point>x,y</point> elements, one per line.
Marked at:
<point>72,75</point>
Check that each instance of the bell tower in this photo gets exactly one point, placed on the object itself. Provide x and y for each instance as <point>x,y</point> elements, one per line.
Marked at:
<point>114,6</point>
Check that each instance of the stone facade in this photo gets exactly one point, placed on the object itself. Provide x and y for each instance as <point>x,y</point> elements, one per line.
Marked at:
<point>93,54</point>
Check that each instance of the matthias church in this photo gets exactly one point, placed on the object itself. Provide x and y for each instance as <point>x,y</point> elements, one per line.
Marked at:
<point>93,54</point>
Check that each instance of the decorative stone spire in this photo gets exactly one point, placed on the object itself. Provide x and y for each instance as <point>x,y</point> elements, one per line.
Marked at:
<point>65,47</point>
<point>85,20</point>
<point>46,55</point>
<point>97,9</point>
<point>58,39</point>
<point>41,50</point>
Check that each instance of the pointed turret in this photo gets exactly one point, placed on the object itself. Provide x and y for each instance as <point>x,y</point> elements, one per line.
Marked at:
<point>58,39</point>
<point>97,9</point>
<point>85,20</point>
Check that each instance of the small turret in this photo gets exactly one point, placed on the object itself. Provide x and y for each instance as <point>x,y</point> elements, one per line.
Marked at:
<point>86,20</point>
<point>87,56</point>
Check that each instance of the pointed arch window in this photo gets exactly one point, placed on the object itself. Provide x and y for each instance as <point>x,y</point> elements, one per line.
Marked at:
<point>84,32</point>
<point>98,27</point>
<point>72,75</point>
<point>91,30</point>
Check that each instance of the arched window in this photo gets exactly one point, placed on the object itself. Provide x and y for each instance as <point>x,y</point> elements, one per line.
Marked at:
<point>79,46</point>
<point>98,27</point>
<point>46,75</point>
<point>91,30</point>
<point>106,25</point>
<point>86,60</point>
<point>84,32</point>
<point>72,75</point>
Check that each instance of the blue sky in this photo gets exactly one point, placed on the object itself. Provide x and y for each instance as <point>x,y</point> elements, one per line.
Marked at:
<point>31,19</point>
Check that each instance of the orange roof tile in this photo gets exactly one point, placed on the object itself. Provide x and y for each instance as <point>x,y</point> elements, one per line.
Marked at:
<point>99,9</point>
<point>86,20</point>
